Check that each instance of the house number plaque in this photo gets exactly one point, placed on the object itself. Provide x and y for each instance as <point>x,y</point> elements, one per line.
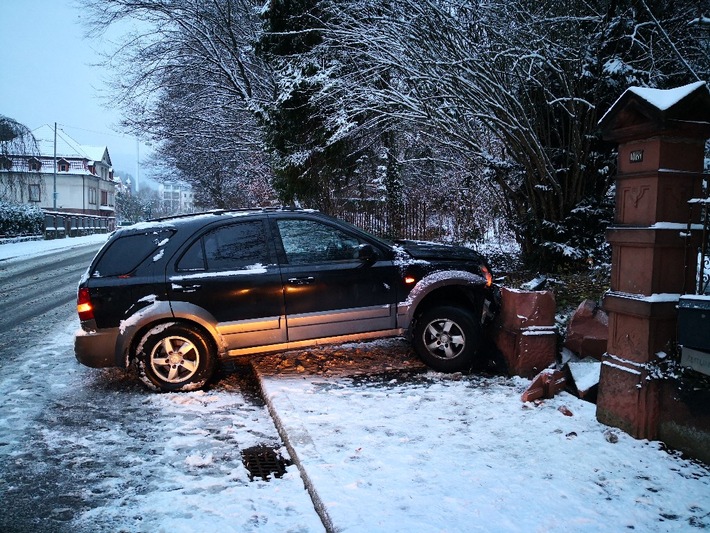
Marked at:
<point>636,156</point>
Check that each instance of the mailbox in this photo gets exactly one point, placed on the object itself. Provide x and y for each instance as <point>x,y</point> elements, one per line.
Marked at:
<point>694,331</point>
<point>694,321</point>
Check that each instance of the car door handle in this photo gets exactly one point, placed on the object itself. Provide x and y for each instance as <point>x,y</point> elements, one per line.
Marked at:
<point>301,281</point>
<point>186,288</point>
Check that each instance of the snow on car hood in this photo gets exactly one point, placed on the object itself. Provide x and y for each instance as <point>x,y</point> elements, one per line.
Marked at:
<point>432,250</point>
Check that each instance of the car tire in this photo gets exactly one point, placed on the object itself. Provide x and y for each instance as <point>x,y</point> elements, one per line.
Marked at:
<point>174,357</point>
<point>447,338</point>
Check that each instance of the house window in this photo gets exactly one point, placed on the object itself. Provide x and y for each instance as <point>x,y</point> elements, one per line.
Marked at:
<point>104,197</point>
<point>63,166</point>
<point>92,196</point>
<point>35,193</point>
<point>34,164</point>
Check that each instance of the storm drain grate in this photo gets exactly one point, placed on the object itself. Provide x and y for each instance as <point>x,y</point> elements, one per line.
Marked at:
<point>263,462</point>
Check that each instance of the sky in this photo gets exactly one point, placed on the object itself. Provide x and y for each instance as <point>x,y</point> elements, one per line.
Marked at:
<point>50,74</point>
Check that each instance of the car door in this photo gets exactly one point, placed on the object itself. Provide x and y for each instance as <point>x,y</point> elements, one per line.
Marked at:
<point>329,291</point>
<point>230,273</point>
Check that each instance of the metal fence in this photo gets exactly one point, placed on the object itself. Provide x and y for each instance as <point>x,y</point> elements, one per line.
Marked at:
<point>58,225</point>
<point>407,220</point>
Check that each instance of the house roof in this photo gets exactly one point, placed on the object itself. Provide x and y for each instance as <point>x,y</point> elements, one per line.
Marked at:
<point>68,147</point>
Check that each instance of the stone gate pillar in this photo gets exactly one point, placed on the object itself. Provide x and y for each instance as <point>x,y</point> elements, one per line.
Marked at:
<point>661,136</point>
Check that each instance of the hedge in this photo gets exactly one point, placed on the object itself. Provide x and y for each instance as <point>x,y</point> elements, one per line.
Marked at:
<point>18,220</point>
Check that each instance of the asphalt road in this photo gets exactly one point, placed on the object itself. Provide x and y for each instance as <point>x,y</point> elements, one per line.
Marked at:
<point>38,285</point>
<point>85,450</point>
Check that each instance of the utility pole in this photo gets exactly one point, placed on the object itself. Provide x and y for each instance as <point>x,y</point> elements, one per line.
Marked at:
<point>55,167</point>
<point>137,162</point>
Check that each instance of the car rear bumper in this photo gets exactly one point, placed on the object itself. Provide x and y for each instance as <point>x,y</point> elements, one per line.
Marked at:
<point>96,349</point>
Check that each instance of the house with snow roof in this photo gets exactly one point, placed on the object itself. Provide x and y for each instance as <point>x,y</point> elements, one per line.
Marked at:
<point>82,183</point>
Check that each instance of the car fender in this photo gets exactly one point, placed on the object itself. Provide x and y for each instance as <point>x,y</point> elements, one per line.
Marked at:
<point>193,313</point>
<point>430,283</point>
<point>153,310</point>
<point>161,311</point>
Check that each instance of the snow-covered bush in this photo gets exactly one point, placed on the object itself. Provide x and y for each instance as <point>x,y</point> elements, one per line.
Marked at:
<point>575,242</point>
<point>20,220</point>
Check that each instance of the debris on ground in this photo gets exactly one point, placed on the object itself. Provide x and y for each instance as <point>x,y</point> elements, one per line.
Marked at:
<point>588,330</point>
<point>545,385</point>
<point>583,378</point>
<point>536,284</point>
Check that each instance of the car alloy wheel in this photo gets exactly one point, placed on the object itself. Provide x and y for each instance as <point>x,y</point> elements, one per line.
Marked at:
<point>447,338</point>
<point>175,357</point>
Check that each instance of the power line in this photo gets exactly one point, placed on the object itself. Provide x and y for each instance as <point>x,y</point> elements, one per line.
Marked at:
<point>115,134</point>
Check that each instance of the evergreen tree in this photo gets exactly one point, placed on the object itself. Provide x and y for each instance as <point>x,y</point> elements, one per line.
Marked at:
<point>311,167</point>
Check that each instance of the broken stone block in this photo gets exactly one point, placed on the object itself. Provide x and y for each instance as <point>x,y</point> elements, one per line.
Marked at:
<point>588,331</point>
<point>567,355</point>
<point>527,335</point>
<point>525,351</point>
<point>520,309</point>
<point>565,410</point>
<point>545,385</point>
<point>583,376</point>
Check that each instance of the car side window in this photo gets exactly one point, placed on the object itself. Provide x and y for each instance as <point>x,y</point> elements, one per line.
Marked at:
<point>309,241</point>
<point>193,258</point>
<point>233,247</point>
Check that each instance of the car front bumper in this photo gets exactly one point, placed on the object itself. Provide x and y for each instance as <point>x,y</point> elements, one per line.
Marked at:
<point>96,349</point>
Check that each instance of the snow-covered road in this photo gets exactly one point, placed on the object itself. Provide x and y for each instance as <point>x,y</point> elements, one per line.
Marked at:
<point>85,450</point>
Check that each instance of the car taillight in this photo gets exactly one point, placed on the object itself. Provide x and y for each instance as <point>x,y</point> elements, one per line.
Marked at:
<point>488,276</point>
<point>83,305</point>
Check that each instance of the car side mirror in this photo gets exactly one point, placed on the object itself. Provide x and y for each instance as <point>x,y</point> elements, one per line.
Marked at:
<point>367,254</point>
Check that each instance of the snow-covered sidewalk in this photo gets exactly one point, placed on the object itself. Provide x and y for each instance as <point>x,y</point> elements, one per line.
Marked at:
<point>17,251</point>
<point>423,451</point>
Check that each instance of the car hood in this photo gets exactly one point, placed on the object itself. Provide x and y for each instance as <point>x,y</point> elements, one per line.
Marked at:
<point>433,251</point>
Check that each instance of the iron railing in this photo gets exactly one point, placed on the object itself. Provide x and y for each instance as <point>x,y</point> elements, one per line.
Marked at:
<point>702,265</point>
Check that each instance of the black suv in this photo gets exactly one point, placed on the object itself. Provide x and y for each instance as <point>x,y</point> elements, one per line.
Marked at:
<point>177,295</point>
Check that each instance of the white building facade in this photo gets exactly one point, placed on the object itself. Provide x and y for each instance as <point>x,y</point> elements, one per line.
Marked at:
<point>176,198</point>
<point>82,183</point>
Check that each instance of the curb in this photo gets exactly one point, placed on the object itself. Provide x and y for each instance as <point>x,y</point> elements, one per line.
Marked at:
<point>287,440</point>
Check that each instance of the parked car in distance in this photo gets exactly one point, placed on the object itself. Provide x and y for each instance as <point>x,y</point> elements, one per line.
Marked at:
<point>176,296</point>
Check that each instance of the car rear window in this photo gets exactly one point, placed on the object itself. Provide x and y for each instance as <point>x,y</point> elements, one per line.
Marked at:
<point>123,255</point>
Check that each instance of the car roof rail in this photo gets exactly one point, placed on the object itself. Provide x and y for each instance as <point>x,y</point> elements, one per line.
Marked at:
<point>263,209</point>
